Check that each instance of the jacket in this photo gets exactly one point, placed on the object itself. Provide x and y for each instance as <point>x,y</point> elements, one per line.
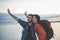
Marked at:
<point>25,31</point>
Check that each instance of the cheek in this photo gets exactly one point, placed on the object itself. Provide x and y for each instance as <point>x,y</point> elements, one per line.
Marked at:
<point>30,19</point>
<point>33,19</point>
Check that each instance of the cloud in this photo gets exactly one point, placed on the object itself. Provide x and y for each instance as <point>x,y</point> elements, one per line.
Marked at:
<point>35,6</point>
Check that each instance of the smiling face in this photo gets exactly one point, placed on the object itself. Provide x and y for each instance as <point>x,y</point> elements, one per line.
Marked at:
<point>29,18</point>
<point>35,19</point>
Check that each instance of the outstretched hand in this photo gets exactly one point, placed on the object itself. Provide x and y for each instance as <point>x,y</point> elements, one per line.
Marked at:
<point>12,15</point>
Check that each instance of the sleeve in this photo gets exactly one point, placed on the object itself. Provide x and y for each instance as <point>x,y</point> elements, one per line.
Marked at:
<point>22,23</point>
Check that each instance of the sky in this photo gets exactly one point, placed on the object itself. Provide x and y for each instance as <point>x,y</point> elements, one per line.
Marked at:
<point>31,6</point>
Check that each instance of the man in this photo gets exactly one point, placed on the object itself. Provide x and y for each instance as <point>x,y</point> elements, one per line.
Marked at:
<point>28,32</point>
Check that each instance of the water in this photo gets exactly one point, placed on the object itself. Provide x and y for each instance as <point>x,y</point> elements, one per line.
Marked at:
<point>5,18</point>
<point>14,31</point>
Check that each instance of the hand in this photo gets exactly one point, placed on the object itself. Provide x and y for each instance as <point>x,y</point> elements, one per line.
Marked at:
<point>8,11</point>
<point>25,13</point>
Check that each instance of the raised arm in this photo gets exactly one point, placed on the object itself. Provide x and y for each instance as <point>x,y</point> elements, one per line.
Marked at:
<point>21,22</point>
<point>12,15</point>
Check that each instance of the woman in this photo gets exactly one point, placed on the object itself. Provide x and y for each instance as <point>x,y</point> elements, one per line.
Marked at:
<point>38,28</point>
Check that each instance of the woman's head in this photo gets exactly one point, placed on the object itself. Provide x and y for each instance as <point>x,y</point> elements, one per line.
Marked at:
<point>36,18</point>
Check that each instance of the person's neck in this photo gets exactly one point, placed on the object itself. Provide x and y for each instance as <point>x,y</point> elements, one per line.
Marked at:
<point>30,23</point>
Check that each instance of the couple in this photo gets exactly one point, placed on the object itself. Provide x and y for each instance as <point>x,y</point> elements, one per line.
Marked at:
<point>31,27</point>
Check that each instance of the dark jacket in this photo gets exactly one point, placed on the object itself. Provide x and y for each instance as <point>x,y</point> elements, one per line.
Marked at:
<point>25,31</point>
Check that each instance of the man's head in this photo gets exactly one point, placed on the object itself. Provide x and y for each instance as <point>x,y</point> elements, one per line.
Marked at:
<point>29,18</point>
<point>36,18</point>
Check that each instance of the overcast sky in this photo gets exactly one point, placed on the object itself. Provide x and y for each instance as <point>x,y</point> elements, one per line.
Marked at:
<point>31,6</point>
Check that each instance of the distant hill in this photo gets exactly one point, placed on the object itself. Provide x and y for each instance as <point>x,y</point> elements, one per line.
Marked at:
<point>57,19</point>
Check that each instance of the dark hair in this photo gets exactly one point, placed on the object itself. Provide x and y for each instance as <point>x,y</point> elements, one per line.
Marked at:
<point>38,17</point>
<point>30,15</point>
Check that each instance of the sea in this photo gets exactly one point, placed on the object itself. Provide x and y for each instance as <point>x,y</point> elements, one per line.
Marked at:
<point>5,18</point>
<point>11,30</point>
